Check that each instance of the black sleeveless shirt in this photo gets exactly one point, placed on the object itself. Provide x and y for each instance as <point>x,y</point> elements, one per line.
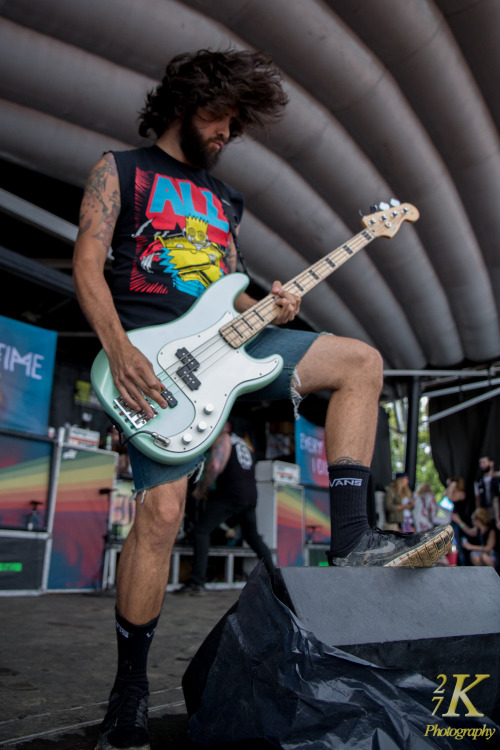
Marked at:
<point>171,238</point>
<point>236,484</point>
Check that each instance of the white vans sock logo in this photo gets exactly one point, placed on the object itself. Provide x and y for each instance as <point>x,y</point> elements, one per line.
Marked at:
<point>121,630</point>
<point>347,482</point>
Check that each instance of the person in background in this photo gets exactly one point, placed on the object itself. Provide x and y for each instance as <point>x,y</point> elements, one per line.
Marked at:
<point>481,539</point>
<point>399,503</point>
<point>455,493</point>
<point>231,468</point>
<point>486,484</point>
<point>496,501</point>
<point>114,443</point>
<point>424,510</point>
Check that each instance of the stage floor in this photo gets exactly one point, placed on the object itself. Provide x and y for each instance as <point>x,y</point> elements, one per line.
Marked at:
<point>58,661</point>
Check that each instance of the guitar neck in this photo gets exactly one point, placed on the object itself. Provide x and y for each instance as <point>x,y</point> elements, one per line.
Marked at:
<point>245,326</point>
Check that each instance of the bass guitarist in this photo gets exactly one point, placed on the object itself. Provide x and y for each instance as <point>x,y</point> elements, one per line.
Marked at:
<point>169,221</point>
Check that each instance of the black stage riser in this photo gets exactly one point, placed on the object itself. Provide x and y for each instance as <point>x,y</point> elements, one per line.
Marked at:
<point>433,621</point>
<point>438,623</point>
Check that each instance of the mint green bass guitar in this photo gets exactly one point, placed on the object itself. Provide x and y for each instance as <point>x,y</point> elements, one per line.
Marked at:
<point>201,360</point>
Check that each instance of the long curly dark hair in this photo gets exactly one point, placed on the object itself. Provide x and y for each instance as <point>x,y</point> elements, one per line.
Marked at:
<point>248,81</point>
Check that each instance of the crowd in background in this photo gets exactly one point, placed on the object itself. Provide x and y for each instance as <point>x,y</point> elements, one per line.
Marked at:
<point>476,523</point>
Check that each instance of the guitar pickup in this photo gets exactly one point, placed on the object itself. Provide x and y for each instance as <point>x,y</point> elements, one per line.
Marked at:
<point>190,364</point>
<point>169,398</point>
<point>189,379</point>
<point>187,359</point>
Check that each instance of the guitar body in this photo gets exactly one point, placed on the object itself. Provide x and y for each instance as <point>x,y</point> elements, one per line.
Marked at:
<point>200,371</point>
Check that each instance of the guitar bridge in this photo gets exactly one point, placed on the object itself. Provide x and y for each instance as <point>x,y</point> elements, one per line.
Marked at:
<point>136,417</point>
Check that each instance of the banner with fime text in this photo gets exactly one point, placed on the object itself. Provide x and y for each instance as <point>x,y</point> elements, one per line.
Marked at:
<point>27,357</point>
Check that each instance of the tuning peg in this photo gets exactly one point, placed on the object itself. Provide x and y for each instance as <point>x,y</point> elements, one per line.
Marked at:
<point>383,206</point>
<point>394,202</point>
<point>373,209</point>
<point>361,212</point>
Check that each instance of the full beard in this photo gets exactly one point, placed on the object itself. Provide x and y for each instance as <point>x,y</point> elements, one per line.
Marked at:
<point>195,149</point>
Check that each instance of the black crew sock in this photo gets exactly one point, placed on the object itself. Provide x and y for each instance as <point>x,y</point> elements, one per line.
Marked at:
<point>348,506</point>
<point>133,647</point>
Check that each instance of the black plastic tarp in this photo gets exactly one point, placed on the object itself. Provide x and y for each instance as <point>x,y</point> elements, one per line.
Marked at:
<point>263,680</point>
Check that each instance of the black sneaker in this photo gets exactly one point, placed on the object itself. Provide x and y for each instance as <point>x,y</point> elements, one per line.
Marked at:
<point>125,724</point>
<point>392,548</point>
<point>194,589</point>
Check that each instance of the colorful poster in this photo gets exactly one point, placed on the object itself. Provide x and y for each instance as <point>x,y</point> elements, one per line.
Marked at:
<point>310,453</point>
<point>81,518</point>
<point>290,521</point>
<point>27,356</point>
<point>24,482</point>
<point>317,511</point>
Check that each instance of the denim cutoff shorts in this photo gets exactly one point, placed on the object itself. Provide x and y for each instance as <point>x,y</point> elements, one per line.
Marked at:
<point>290,344</point>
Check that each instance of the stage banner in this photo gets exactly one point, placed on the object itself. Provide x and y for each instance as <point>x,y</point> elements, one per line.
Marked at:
<point>317,515</point>
<point>290,519</point>
<point>310,453</point>
<point>27,356</point>
<point>24,482</point>
<point>81,518</point>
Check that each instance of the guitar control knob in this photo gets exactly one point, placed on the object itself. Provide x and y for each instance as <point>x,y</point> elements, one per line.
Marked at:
<point>187,438</point>
<point>201,426</point>
<point>208,408</point>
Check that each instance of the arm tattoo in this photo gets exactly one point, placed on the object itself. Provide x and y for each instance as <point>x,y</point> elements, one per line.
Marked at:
<point>217,451</point>
<point>216,461</point>
<point>97,200</point>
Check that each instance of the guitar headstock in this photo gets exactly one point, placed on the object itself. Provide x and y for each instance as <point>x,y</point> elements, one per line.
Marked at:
<point>386,221</point>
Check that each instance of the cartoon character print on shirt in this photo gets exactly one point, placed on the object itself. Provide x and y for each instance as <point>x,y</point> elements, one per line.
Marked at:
<point>183,240</point>
<point>189,258</point>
